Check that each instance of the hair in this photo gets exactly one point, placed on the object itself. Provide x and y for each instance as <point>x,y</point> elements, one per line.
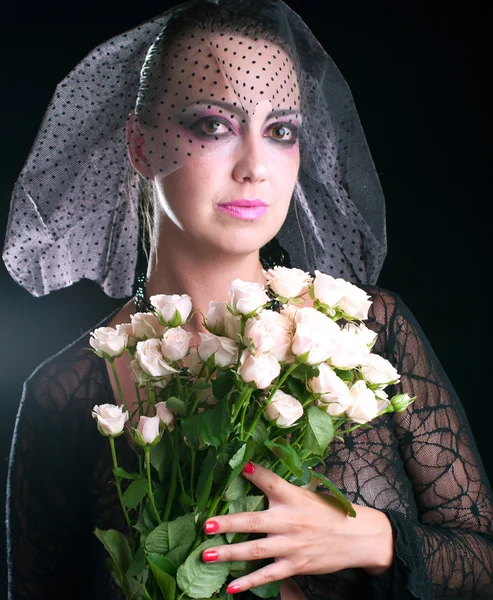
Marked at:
<point>255,19</point>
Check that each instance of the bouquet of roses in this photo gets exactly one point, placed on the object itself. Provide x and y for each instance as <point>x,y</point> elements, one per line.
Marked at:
<point>281,371</point>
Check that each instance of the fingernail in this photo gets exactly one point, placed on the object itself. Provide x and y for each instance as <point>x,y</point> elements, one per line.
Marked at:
<point>249,469</point>
<point>211,526</point>
<point>210,555</point>
<point>233,589</point>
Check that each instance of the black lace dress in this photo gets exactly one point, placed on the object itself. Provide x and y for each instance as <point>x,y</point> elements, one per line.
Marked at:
<point>420,467</point>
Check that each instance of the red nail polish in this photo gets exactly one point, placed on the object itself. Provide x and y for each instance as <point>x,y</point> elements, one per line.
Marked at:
<point>210,556</point>
<point>233,589</point>
<point>249,469</point>
<point>211,526</point>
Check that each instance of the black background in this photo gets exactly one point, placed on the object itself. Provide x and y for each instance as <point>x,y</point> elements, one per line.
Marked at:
<point>419,80</point>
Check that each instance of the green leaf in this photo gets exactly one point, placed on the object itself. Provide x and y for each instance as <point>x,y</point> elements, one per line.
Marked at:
<point>347,375</point>
<point>204,482</point>
<point>238,457</point>
<point>185,501</point>
<point>199,579</point>
<point>138,563</point>
<point>119,472</point>
<point>336,492</point>
<point>248,453</point>
<point>260,434</point>
<point>319,431</point>
<point>304,479</point>
<point>181,532</point>
<point>212,425</point>
<point>268,590</point>
<point>236,489</point>
<point>158,455</point>
<point>223,384</point>
<point>158,540</point>
<point>135,492</point>
<point>117,547</point>
<point>134,590</point>
<point>177,406</point>
<point>287,455</point>
<point>167,583</point>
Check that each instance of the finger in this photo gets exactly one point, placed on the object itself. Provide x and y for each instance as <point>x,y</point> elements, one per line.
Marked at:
<point>268,547</point>
<point>273,486</point>
<point>276,571</point>
<point>263,521</point>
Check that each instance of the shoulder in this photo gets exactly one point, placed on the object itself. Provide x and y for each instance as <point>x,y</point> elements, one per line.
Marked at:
<point>74,375</point>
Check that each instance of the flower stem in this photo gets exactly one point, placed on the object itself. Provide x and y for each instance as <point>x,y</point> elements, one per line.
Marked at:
<point>175,453</point>
<point>172,491</point>
<point>118,487</point>
<point>117,381</point>
<point>192,473</point>
<point>245,396</point>
<point>149,485</point>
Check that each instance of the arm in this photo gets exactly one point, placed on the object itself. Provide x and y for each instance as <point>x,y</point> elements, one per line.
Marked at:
<point>48,523</point>
<point>416,476</point>
<point>453,530</point>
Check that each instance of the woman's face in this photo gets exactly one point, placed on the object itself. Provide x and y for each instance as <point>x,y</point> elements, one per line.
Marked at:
<point>223,151</point>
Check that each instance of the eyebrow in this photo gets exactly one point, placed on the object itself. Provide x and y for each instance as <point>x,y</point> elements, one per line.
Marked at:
<point>234,108</point>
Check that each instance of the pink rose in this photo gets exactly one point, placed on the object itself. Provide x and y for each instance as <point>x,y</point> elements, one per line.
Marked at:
<point>111,419</point>
<point>247,297</point>
<point>149,430</point>
<point>172,308</point>
<point>175,343</point>
<point>313,335</point>
<point>261,369</point>
<point>333,394</point>
<point>284,409</point>
<point>225,351</point>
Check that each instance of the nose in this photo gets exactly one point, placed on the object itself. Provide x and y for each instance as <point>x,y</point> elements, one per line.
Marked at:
<point>250,164</point>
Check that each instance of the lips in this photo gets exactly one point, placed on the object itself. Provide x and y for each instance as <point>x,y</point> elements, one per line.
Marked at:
<point>244,202</point>
<point>244,209</point>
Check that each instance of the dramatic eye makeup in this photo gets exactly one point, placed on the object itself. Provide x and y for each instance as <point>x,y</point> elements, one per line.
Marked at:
<point>218,120</point>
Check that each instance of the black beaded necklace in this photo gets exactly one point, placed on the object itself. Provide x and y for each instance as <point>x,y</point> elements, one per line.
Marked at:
<point>272,254</point>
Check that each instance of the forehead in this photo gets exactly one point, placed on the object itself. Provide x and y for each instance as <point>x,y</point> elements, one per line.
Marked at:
<point>228,68</point>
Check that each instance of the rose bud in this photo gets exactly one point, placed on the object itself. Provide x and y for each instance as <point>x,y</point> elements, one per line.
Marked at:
<point>260,370</point>
<point>364,407</point>
<point>401,402</point>
<point>313,334</point>
<point>146,326</point>
<point>221,322</point>
<point>247,297</point>
<point>167,417</point>
<point>378,370</point>
<point>172,309</point>
<point>148,432</point>
<point>350,299</point>
<point>111,419</point>
<point>107,342</point>
<point>151,360</point>
<point>269,332</point>
<point>126,329</point>
<point>334,396</point>
<point>175,343</point>
<point>287,283</point>
<point>225,351</point>
<point>284,409</point>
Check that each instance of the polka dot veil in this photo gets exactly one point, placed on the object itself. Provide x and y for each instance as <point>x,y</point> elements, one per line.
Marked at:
<point>189,82</point>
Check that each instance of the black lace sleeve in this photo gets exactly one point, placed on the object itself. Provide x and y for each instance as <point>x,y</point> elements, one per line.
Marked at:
<point>423,469</point>
<point>50,528</point>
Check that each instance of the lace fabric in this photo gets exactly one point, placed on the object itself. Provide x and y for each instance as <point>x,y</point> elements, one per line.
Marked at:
<point>420,467</point>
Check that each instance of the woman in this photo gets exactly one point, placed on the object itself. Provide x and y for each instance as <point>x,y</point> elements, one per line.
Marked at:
<point>233,114</point>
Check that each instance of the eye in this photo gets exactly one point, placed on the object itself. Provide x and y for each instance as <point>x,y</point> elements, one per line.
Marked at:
<point>212,126</point>
<point>281,132</point>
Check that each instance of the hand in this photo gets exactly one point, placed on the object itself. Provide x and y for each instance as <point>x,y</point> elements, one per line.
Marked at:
<point>307,533</point>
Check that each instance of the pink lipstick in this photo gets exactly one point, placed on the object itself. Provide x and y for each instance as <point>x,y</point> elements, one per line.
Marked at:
<point>245,209</point>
